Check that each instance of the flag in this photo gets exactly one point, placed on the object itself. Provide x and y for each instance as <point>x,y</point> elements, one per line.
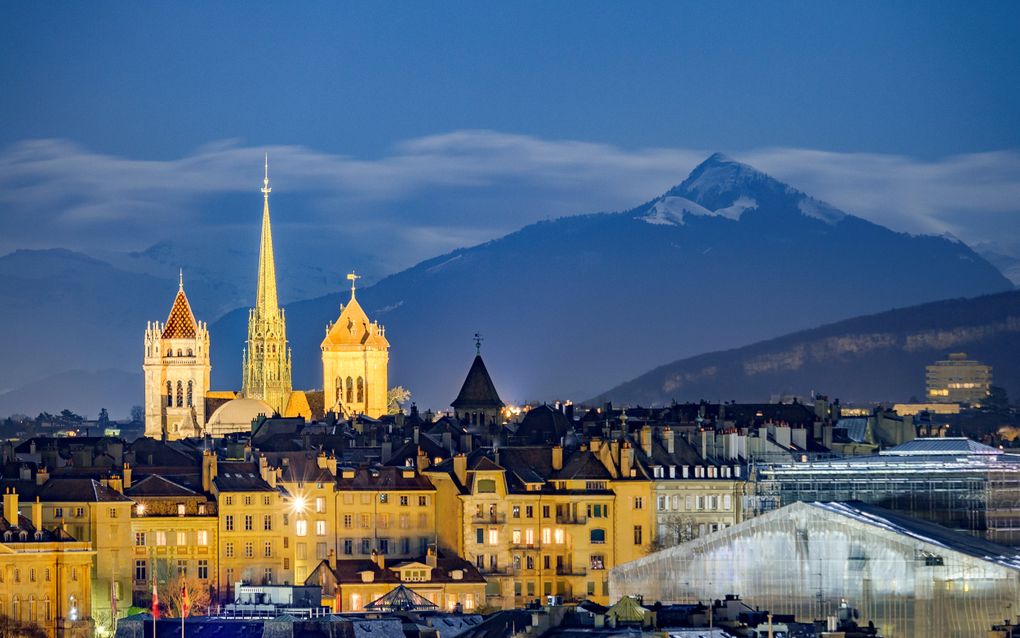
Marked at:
<point>155,601</point>
<point>185,603</point>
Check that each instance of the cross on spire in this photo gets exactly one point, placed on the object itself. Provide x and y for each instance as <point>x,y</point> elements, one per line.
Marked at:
<point>180,285</point>
<point>478,343</point>
<point>265,181</point>
<point>353,278</point>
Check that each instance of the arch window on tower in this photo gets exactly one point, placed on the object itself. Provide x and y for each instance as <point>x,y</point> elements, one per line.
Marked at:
<point>190,393</point>
<point>169,394</point>
<point>191,352</point>
<point>339,389</point>
<point>180,394</point>
<point>350,390</point>
<point>179,352</point>
<point>361,390</point>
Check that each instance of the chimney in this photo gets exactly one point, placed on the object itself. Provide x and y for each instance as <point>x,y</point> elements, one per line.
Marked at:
<point>116,484</point>
<point>379,559</point>
<point>646,439</point>
<point>460,468</point>
<point>331,464</point>
<point>669,440</point>
<point>414,436</point>
<point>332,560</point>
<point>11,507</point>
<point>320,460</point>
<point>208,470</point>
<point>385,451</point>
<point>41,476</point>
<point>25,473</point>
<point>626,459</point>
<point>37,515</point>
<point>465,443</point>
<point>557,458</point>
<point>127,475</point>
<point>448,442</point>
<point>431,559</point>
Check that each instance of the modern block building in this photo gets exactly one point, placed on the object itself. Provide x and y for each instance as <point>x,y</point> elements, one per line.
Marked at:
<point>958,379</point>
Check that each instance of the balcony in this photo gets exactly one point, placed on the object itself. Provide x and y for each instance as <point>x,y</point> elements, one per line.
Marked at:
<point>567,519</point>
<point>525,546</point>
<point>488,519</point>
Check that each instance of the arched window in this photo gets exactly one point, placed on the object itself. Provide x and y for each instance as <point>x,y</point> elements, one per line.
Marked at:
<point>339,389</point>
<point>191,353</point>
<point>179,352</point>
<point>180,394</point>
<point>361,390</point>
<point>350,390</point>
<point>190,393</point>
<point>16,608</point>
<point>169,394</point>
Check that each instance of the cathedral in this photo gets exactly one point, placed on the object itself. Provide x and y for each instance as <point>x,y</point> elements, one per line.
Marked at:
<point>176,365</point>
<point>266,358</point>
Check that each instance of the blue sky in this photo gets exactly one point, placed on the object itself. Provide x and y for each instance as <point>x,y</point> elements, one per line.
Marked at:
<point>448,123</point>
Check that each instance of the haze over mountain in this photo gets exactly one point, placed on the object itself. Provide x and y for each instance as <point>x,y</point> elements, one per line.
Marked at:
<point>728,257</point>
<point>880,357</point>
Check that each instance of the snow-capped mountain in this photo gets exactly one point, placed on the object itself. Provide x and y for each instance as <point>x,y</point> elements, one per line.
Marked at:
<point>728,257</point>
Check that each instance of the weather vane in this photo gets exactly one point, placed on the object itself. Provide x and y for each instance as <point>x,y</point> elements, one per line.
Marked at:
<point>353,278</point>
<point>478,343</point>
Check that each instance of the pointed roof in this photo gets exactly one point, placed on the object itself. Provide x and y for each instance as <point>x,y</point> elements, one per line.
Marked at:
<point>180,323</point>
<point>402,598</point>
<point>478,390</point>
<point>266,301</point>
<point>353,328</point>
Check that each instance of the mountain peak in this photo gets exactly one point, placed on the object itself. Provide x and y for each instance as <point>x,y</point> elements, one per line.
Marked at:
<point>726,187</point>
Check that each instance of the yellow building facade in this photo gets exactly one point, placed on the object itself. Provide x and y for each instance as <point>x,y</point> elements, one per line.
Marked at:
<point>355,362</point>
<point>45,575</point>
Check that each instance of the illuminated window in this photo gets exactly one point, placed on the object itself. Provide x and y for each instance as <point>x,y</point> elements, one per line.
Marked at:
<point>558,536</point>
<point>301,527</point>
<point>202,537</point>
<point>493,536</point>
<point>320,528</point>
<point>320,504</point>
<point>546,535</point>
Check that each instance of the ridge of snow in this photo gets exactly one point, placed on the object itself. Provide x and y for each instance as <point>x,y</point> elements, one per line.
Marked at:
<point>819,210</point>
<point>737,208</point>
<point>670,211</point>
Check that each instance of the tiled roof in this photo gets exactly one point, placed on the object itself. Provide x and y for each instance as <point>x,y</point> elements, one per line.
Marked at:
<point>65,490</point>
<point>383,477</point>
<point>349,571</point>
<point>180,324</point>
<point>240,477</point>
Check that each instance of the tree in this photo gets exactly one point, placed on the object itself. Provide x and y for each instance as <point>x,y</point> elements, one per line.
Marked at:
<point>998,400</point>
<point>171,584</point>
<point>677,529</point>
<point>11,628</point>
<point>104,417</point>
<point>396,399</point>
<point>137,414</point>
<point>68,417</point>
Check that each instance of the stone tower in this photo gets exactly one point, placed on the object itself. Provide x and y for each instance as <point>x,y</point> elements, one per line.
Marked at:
<point>176,369</point>
<point>355,362</point>
<point>266,358</point>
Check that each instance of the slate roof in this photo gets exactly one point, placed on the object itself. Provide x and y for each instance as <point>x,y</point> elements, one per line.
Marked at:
<point>478,390</point>
<point>240,477</point>
<point>941,446</point>
<point>382,477</point>
<point>64,490</point>
<point>543,424</point>
<point>155,485</point>
<point>349,571</point>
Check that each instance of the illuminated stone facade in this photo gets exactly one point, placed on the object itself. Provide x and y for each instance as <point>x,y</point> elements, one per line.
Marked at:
<point>176,369</point>
<point>266,361</point>
<point>355,360</point>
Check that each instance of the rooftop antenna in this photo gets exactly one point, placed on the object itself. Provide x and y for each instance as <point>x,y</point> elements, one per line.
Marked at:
<point>478,343</point>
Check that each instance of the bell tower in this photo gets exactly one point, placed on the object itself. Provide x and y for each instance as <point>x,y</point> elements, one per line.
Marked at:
<point>355,362</point>
<point>176,369</point>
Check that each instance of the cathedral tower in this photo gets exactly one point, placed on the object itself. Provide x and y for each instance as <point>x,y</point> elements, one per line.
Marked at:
<point>355,361</point>
<point>266,359</point>
<point>176,369</point>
